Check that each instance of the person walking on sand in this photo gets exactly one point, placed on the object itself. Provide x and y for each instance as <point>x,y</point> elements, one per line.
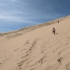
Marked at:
<point>58,21</point>
<point>53,30</point>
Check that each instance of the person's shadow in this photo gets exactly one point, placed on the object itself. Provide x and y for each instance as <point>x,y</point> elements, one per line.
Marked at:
<point>56,33</point>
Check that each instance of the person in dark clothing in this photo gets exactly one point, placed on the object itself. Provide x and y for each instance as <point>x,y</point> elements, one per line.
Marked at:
<point>53,30</point>
<point>58,21</point>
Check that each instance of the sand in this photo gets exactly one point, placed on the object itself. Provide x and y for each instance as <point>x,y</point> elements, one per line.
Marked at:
<point>36,48</point>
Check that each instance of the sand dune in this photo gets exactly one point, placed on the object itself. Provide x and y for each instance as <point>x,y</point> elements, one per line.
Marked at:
<point>36,48</point>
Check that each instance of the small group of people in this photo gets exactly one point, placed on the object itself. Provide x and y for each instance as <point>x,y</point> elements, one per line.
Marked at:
<point>54,30</point>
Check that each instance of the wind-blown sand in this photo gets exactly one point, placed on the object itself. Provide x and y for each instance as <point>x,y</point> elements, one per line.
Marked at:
<point>36,48</point>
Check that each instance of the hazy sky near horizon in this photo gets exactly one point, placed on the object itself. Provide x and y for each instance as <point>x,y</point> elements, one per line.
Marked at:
<point>16,14</point>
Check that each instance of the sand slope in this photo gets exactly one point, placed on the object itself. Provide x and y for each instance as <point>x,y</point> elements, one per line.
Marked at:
<point>36,48</point>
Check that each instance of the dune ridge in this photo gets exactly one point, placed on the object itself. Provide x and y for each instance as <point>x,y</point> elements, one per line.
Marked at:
<point>36,48</point>
<point>31,28</point>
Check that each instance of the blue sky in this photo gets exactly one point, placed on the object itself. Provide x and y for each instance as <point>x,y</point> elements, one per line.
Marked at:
<point>16,14</point>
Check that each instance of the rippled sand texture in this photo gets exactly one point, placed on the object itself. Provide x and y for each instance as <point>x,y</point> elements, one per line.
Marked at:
<point>36,48</point>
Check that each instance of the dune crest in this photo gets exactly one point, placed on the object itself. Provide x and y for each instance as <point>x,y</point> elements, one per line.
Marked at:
<point>36,48</point>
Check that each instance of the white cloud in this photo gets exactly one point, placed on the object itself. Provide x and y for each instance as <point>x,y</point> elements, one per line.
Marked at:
<point>16,19</point>
<point>18,12</point>
<point>11,18</point>
<point>13,0</point>
<point>3,4</point>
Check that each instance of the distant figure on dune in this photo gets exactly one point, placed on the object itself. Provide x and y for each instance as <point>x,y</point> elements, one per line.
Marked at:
<point>53,30</point>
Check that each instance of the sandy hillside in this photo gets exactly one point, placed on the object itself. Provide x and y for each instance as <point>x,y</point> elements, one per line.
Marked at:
<point>36,48</point>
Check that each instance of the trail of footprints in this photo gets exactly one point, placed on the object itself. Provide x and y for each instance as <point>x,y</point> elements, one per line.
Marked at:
<point>44,59</point>
<point>36,61</point>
